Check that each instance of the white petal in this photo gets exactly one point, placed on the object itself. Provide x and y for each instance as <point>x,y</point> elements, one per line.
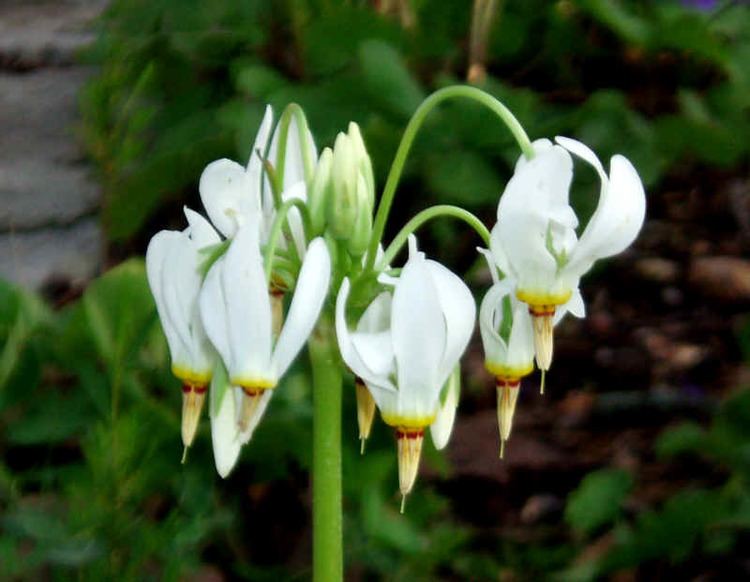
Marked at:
<point>459,311</point>
<point>158,254</point>
<point>377,316</point>
<point>309,295</point>
<point>617,220</point>
<point>200,231</point>
<point>255,161</point>
<point>213,310</point>
<point>495,348</point>
<point>521,340</point>
<point>442,427</point>
<point>349,354</point>
<point>419,338</point>
<point>375,350</point>
<point>248,308</point>
<point>585,153</point>
<point>224,434</point>
<point>535,199</point>
<point>227,196</point>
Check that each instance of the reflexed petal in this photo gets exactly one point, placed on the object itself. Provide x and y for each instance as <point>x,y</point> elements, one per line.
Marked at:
<point>255,161</point>
<point>248,307</point>
<point>585,153</point>
<point>375,349</point>
<point>377,316</point>
<point>201,233</point>
<point>226,195</point>
<point>459,310</point>
<point>309,295</point>
<point>224,434</point>
<point>617,220</point>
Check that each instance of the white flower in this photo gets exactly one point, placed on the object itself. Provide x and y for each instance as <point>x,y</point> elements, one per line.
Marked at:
<point>172,264</point>
<point>232,193</point>
<point>406,364</point>
<point>534,241</point>
<point>237,314</point>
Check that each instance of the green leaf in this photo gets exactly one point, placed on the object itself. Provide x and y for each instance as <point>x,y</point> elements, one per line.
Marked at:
<point>463,177</point>
<point>388,79</point>
<point>597,500</point>
<point>686,437</point>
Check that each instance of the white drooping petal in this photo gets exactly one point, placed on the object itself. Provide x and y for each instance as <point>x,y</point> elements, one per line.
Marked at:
<point>257,154</point>
<point>213,310</point>
<point>533,209</point>
<point>349,353</point>
<point>419,338</point>
<point>490,318</point>
<point>442,427</point>
<point>258,414</point>
<point>248,320</point>
<point>309,295</point>
<point>158,254</point>
<point>616,221</point>
<point>224,433</point>
<point>584,152</point>
<point>377,316</point>
<point>521,340</point>
<point>459,311</point>
<point>200,231</point>
<point>227,195</point>
<point>372,339</point>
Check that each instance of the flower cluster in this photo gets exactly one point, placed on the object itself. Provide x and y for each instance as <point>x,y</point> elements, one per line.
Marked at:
<point>239,296</point>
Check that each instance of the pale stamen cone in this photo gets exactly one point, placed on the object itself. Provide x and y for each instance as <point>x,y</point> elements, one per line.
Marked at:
<point>192,404</point>
<point>409,452</point>
<point>507,396</point>
<point>365,411</point>
<point>543,339</point>
<point>251,398</point>
<point>277,311</point>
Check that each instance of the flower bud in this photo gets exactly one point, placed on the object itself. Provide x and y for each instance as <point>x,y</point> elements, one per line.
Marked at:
<point>352,194</point>
<point>320,192</point>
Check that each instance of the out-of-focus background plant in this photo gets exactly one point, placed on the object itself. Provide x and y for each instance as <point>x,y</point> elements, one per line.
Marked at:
<point>594,484</point>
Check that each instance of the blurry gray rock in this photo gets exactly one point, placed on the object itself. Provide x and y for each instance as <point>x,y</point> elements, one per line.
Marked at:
<point>71,254</point>
<point>34,34</point>
<point>48,199</point>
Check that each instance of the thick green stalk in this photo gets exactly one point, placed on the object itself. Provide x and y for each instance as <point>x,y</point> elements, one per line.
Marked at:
<point>389,191</point>
<point>327,369</point>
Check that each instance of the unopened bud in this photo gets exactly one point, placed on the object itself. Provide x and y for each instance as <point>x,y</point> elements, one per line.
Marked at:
<point>365,411</point>
<point>320,192</point>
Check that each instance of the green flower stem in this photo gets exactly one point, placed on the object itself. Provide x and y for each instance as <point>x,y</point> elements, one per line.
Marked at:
<point>427,214</point>
<point>276,228</point>
<point>327,369</point>
<point>407,140</point>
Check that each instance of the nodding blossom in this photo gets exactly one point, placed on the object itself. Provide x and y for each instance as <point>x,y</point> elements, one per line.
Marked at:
<point>238,316</point>
<point>173,263</point>
<point>534,242</point>
<point>406,363</point>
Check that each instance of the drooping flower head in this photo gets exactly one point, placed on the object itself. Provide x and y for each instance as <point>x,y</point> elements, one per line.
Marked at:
<point>534,241</point>
<point>237,313</point>
<point>173,262</point>
<point>406,364</point>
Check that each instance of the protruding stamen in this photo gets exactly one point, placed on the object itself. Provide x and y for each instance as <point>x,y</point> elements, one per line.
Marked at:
<point>193,396</point>
<point>542,382</point>
<point>507,397</point>
<point>365,411</point>
<point>184,455</point>
<point>251,398</point>
<point>543,318</point>
<point>403,503</point>
<point>409,452</point>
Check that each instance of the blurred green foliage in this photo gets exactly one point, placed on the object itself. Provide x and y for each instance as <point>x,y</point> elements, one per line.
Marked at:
<point>183,83</point>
